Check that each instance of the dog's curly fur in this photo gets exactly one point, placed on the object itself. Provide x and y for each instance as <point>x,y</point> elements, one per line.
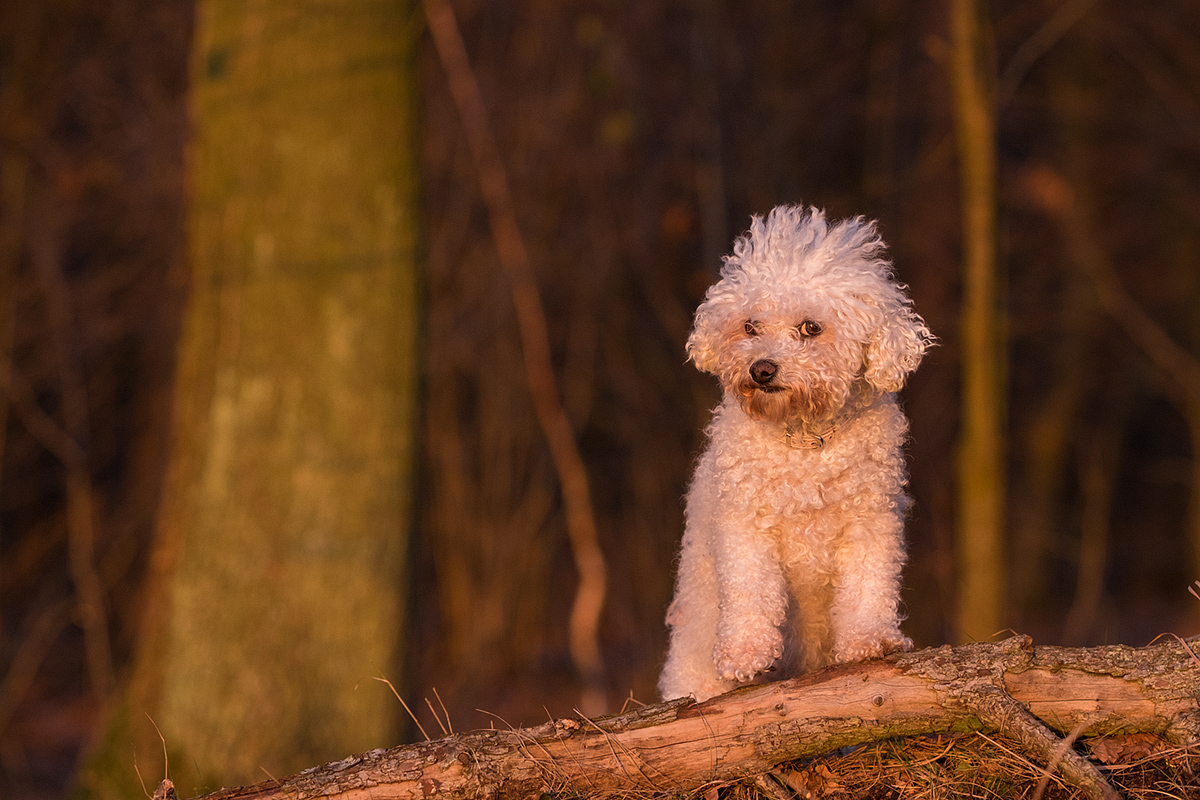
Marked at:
<point>793,547</point>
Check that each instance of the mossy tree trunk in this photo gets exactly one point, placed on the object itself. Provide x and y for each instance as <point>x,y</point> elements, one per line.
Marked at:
<point>277,580</point>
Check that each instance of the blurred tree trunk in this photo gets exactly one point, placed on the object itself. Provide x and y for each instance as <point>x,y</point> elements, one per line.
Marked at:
<point>981,483</point>
<point>276,588</point>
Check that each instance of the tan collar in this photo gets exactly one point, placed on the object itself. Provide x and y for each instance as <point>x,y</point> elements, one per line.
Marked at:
<point>808,438</point>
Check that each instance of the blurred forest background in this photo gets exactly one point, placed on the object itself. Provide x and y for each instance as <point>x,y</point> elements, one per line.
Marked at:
<point>637,138</point>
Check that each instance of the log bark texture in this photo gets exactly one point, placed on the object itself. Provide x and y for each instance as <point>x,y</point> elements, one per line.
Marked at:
<point>1029,693</point>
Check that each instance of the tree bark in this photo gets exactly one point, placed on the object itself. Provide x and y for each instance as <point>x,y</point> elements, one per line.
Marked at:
<point>277,574</point>
<point>1028,693</point>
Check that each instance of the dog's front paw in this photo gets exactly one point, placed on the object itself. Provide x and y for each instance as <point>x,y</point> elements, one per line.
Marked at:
<point>872,647</point>
<point>743,655</point>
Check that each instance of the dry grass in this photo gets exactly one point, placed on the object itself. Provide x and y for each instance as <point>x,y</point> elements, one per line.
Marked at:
<point>976,766</point>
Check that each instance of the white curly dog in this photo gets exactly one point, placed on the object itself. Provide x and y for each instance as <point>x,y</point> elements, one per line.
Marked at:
<point>792,551</point>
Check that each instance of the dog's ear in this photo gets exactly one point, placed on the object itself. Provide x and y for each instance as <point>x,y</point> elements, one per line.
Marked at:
<point>896,348</point>
<point>702,345</point>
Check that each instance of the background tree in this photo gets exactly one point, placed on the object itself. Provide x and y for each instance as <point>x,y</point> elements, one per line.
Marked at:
<point>277,586</point>
<point>981,473</point>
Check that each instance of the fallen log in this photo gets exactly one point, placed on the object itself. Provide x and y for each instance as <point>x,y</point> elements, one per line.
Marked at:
<point>1030,694</point>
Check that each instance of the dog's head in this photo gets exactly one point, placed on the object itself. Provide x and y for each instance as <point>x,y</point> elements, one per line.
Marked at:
<point>803,310</point>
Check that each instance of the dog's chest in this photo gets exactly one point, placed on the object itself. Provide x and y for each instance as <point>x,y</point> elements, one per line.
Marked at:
<point>810,478</point>
<point>782,479</point>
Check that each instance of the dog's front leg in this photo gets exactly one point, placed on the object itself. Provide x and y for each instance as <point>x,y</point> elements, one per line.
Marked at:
<point>753,602</point>
<point>865,614</point>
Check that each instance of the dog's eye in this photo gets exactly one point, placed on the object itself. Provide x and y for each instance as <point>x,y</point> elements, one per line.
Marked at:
<point>751,328</point>
<point>808,328</point>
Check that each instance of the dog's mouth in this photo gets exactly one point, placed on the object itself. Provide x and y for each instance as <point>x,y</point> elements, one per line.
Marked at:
<point>770,402</point>
<point>782,403</point>
<point>750,387</point>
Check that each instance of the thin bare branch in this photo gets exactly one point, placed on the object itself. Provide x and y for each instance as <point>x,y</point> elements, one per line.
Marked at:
<point>1043,39</point>
<point>535,344</point>
<point>35,646</point>
<point>81,513</point>
<point>40,425</point>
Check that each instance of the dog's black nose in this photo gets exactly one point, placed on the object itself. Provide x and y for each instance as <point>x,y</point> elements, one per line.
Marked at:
<point>763,371</point>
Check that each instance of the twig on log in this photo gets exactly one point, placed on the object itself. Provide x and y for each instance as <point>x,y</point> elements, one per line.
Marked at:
<point>997,710</point>
<point>678,747</point>
<point>1063,747</point>
<point>767,784</point>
